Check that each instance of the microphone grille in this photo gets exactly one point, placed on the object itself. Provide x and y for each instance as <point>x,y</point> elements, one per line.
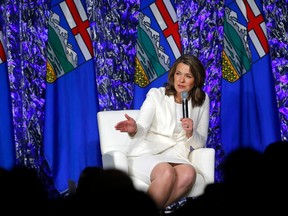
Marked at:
<point>184,95</point>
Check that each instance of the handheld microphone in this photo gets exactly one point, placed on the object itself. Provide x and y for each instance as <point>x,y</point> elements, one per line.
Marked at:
<point>184,96</point>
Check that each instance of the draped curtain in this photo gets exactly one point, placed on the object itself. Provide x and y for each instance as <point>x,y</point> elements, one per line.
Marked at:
<point>114,38</point>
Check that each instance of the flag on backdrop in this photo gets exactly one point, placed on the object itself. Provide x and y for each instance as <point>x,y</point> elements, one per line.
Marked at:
<point>71,139</point>
<point>158,46</point>
<point>249,112</point>
<point>7,147</point>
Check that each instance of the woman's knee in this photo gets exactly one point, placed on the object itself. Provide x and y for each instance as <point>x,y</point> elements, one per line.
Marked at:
<point>163,171</point>
<point>187,175</point>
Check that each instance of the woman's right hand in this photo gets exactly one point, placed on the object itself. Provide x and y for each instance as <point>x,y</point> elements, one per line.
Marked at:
<point>129,125</point>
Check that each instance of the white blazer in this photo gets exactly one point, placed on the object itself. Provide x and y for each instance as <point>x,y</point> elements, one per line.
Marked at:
<point>156,123</point>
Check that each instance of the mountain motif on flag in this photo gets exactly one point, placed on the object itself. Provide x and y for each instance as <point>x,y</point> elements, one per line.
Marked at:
<point>71,139</point>
<point>249,112</point>
<point>62,55</point>
<point>236,54</point>
<point>152,60</point>
<point>237,57</point>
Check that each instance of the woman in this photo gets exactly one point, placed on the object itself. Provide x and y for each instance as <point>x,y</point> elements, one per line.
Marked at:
<point>163,138</point>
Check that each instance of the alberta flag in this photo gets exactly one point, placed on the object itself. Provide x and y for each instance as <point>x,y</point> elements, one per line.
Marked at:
<point>71,140</point>
<point>249,112</point>
<point>7,145</point>
<point>158,46</point>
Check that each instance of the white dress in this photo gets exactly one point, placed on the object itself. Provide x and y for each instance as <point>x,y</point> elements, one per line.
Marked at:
<point>142,166</point>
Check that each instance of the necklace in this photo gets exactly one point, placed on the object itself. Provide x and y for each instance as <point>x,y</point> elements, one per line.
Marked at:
<point>177,100</point>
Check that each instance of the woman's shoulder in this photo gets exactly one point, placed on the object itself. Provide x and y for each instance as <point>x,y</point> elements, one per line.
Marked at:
<point>207,97</point>
<point>157,91</point>
<point>156,94</point>
<point>206,100</point>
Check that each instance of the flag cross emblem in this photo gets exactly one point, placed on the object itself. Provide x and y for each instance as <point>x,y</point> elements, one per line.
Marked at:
<point>2,50</point>
<point>152,60</point>
<point>236,56</point>
<point>62,55</point>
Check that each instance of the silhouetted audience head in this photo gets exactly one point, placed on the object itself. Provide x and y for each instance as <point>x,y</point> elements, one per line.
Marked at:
<point>89,181</point>
<point>245,179</point>
<point>5,186</point>
<point>96,182</point>
<point>21,188</point>
<point>276,155</point>
<point>110,191</point>
<point>276,159</point>
<point>243,167</point>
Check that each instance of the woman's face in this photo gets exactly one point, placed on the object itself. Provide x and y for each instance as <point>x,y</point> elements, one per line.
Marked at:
<point>183,78</point>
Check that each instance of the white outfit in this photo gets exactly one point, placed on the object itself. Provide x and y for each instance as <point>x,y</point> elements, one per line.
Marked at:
<point>160,137</point>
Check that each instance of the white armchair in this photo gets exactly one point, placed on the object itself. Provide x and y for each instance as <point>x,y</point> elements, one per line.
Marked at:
<point>114,145</point>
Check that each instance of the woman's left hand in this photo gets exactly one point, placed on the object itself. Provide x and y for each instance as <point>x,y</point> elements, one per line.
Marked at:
<point>187,125</point>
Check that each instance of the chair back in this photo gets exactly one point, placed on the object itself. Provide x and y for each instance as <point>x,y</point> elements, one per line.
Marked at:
<point>111,139</point>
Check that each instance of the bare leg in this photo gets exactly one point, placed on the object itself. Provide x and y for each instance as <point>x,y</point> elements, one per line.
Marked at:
<point>185,179</point>
<point>170,182</point>
<point>162,181</point>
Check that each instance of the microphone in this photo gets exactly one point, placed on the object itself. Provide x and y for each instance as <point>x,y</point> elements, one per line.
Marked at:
<point>184,96</point>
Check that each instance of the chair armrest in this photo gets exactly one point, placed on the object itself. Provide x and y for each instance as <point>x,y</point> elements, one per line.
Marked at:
<point>115,160</point>
<point>204,161</point>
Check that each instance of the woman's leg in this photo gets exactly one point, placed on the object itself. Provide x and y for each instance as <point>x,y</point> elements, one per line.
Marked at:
<point>184,181</point>
<point>170,182</point>
<point>163,177</point>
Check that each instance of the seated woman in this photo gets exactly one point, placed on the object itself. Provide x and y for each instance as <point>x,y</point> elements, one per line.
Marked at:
<point>164,137</point>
